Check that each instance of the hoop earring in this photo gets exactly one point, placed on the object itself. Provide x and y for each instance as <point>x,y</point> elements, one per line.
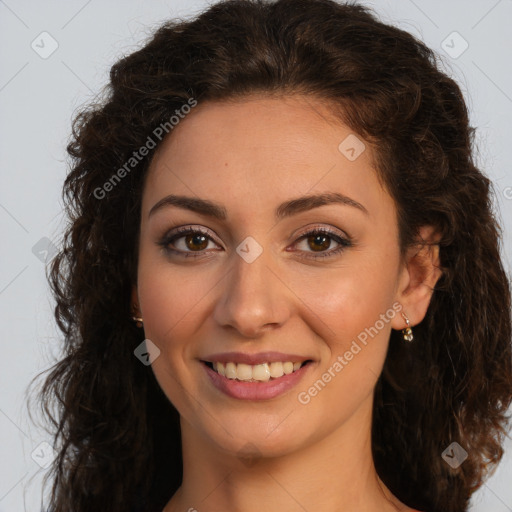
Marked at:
<point>407,331</point>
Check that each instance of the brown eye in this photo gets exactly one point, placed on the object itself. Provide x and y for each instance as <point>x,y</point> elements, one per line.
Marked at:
<point>320,240</point>
<point>196,241</point>
<point>187,242</point>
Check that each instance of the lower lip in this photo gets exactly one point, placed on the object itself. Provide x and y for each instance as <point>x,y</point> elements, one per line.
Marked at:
<point>256,390</point>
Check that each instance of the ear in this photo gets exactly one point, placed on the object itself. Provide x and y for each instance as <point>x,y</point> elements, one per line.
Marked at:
<point>418,276</point>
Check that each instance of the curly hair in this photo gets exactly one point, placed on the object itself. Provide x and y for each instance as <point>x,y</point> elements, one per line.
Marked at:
<point>117,434</point>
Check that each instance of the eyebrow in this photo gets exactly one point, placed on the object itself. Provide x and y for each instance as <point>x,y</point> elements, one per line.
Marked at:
<point>286,209</point>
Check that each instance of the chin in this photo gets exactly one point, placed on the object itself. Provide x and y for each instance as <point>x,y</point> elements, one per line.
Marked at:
<point>256,435</point>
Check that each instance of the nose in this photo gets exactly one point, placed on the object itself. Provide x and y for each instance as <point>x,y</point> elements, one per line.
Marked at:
<point>254,298</point>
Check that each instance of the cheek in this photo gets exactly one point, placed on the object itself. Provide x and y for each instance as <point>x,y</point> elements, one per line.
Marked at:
<point>160,307</point>
<point>170,300</point>
<point>171,297</point>
<point>355,337</point>
<point>351,311</point>
<point>348,301</point>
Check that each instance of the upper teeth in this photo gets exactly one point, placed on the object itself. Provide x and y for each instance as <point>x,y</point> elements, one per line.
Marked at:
<point>261,372</point>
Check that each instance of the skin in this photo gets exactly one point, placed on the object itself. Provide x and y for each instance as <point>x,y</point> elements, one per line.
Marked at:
<point>251,155</point>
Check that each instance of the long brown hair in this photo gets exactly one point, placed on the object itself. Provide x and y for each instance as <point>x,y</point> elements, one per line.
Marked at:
<point>114,428</point>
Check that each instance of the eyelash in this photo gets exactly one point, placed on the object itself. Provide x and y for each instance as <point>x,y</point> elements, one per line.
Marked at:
<point>181,232</point>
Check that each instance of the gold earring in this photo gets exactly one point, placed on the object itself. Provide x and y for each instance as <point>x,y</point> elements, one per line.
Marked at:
<point>139,321</point>
<point>407,332</point>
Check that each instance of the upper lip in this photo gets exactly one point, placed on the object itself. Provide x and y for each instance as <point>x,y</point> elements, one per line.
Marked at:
<point>252,359</point>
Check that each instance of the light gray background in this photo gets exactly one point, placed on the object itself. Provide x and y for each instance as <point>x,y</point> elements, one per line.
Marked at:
<point>38,97</point>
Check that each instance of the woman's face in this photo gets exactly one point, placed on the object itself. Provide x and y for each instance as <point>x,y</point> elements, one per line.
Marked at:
<point>249,287</point>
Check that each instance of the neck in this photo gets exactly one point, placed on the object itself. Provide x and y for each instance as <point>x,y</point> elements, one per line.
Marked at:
<point>332,474</point>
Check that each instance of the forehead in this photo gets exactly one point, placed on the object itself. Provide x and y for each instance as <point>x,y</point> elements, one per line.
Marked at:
<point>265,149</point>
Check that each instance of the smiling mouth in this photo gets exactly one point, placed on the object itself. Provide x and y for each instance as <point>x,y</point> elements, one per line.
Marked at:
<point>264,372</point>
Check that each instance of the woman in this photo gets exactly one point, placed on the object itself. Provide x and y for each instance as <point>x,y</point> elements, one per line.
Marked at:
<point>281,286</point>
